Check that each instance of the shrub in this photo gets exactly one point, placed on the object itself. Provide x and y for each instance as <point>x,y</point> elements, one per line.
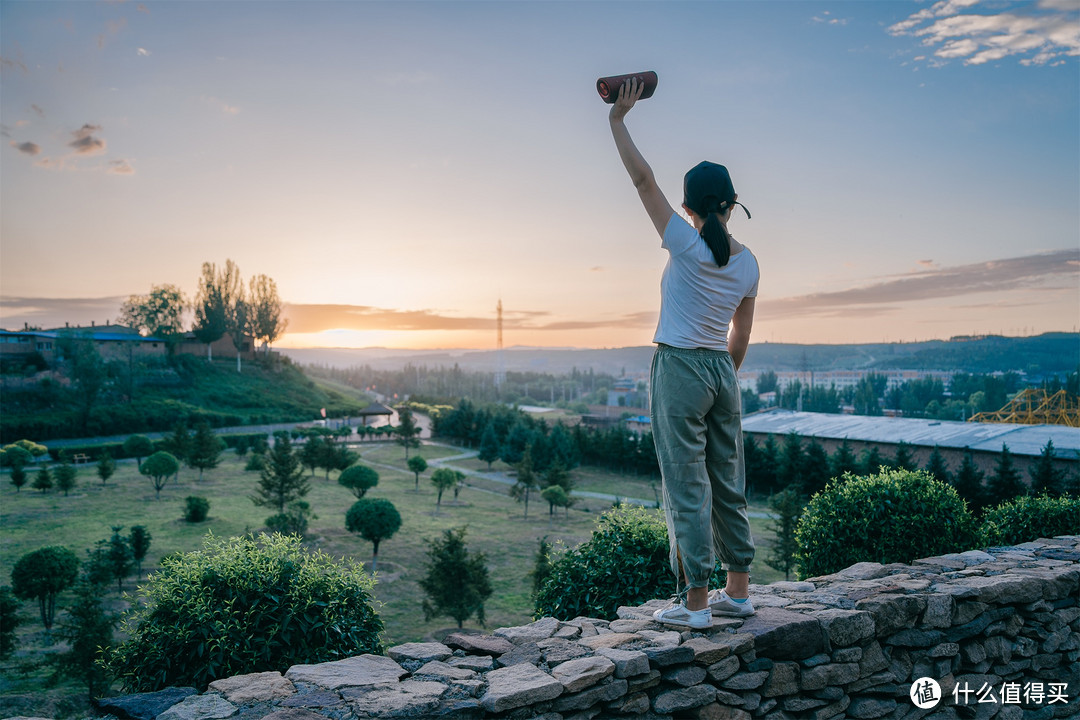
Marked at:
<point>196,508</point>
<point>625,562</point>
<point>1024,519</point>
<point>244,605</point>
<point>294,521</point>
<point>894,516</point>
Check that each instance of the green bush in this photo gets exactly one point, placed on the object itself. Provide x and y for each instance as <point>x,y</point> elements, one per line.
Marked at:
<point>1024,519</point>
<point>894,516</point>
<point>240,606</point>
<point>625,562</point>
<point>196,508</point>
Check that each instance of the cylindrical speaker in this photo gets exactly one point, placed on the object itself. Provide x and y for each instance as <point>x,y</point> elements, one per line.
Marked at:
<point>608,87</point>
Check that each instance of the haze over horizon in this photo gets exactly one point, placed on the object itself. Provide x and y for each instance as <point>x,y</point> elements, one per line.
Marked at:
<point>913,168</point>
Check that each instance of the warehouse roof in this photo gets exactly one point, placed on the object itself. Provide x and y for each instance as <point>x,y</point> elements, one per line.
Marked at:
<point>989,437</point>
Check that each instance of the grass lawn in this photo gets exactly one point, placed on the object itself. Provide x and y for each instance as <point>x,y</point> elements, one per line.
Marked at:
<point>496,526</point>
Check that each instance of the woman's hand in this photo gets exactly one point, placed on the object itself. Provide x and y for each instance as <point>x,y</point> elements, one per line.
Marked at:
<point>629,93</point>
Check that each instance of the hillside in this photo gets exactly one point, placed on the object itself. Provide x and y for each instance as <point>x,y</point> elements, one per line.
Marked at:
<point>188,388</point>
<point>1047,354</point>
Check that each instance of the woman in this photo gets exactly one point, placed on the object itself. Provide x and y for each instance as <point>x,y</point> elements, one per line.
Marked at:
<point>710,282</point>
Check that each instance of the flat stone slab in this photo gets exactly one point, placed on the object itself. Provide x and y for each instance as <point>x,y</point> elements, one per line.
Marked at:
<point>479,644</point>
<point>784,635</point>
<point>583,672</point>
<point>611,640</point>
<point>200,707</point>
<point>253,687</point>
<point>450,672</point>
<point>406,699</point>
<point>351,672</point>
<point>533,632</point>
<point>628,663</point>
<point>421,652</point>
<point>517,686</point>
<point>145,706</point>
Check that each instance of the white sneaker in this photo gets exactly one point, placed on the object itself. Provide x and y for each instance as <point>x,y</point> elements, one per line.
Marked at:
<point>721,604</point>
<point>678,615</point>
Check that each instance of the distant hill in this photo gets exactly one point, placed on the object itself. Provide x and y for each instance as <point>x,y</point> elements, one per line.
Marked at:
<point>1047,354</point>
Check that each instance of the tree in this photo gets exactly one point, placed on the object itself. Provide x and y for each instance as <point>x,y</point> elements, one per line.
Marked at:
<point>904,459</point>
<point>872,461</point>
<point>214,300</point>
<point>159,467</point>
<point>766,382</point>
<point>204,451</point>
<point>18,477</point>
<point>375,519</point>
<point>43,480</point>
<point>267,324</point>
<point>88,629</point>
<point>1046,478</point>
<point>489,445</point>
<point>418,465</point>
<point>969,482</point>
<point>359,479</point>
<point>556,497</point>
<point>121,559</point>
<point>843,460</point>
<point>294,521</point>
<point>9,620</point>
<point>67,477</point>
<point>87,371</point>
<point>282,478</point>
<point>159,314</point>
<point>139,541</point>
<point>935,465</point>
<point>106,466</point>
<point>526,480</point>
<point>238,325</point>
<point>456,582</point>
<point>311,453</point>
<point>541,566</point>
<point>1005,483</point>
<point>42,575</point>
<point>816,471</point>
<point>792,460</point>
<point>787,507</point>
<point>407,430</point>
<point>443,479</point>
<point>138,446</point>
<point>178,444</point>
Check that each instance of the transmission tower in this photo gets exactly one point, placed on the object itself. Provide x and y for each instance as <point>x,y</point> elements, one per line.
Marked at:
<point>500,373</point>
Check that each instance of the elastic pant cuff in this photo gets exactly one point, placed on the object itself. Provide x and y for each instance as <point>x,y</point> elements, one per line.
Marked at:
<point>735,568</point>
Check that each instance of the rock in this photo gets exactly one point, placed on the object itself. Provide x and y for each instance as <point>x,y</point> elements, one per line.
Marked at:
<point>253,687</point>
<point>517,686</point>
<point>628,663</point>
<point>685,675</point>
<point>576,675</point>
<point>916,638</point>
<point>351,672</point>
<point>873,660</point>
<point>405,699</point>
<point>892,612</point>
<point>472,662</point>
<point>852,654</point>
<point>633,704</point>
<point>939,611</point>
<point>479,644</point>
<point>681,699</point>
<point>145,706</point>
<point>612,640</point>
<point>846,627</point>
<point>718,711</point>
<point>421,652</point>
<point>802,704</point>
<point>799,587</point>
<point>746,680</point>
<point>533,632</point>
<point>1006,589</point>
<point>593,696</point>
<point>631,625</point>
<point>527,653</point>
<point>313,699</point>
<point>783,680</point>
<point>858,571</point>
<point>200,707</point>
<point>722,670</point>
<point>784,635</point>
<point>644,682</point>
<point>557,651</point>
<point>831,674</point>
<point>706,652</point>
<point>437,668</point>
<point>294,714</point>
<point>944,650</point>
<point>866,708</point>
<point>669,655</point>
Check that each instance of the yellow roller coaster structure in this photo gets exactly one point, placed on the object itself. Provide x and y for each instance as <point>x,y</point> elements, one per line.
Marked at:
<point>1035,407</point>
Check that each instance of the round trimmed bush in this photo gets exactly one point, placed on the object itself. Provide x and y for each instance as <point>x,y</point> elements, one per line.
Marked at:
<point>196,508</point>
<point>1024,519</point>
<point>625,562</point>
<point>894,516</point>
<point>244,605</point>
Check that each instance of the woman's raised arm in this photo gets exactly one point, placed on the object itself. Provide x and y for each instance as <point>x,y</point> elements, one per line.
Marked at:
<point>656,205</point>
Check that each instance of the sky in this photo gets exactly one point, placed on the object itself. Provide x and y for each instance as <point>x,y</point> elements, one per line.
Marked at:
<point>398,168</point>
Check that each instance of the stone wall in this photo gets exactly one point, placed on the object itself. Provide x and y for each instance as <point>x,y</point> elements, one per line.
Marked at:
<point>1001,627</point>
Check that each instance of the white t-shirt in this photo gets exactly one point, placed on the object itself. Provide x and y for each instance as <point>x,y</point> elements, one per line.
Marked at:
<point>698,298</point>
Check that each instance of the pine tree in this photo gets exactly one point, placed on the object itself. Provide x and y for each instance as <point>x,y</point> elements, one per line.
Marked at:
<point>872,461</point>
<point>903,460</point>
<point>816,472</point>
<point>204,450</point>
<point>407,430</point>
<point>844,461</point>
<point>541,566</point>
<point>43,480</point>
<point>489,445</point>
<point>969,483</point>
<point>936,466</point>
<point>87,628</point>
<point>139,540</point>
<point>106,467</point>
<point>791,463</point>
<point>1046,478</point>
<point>120,557</point>
<point>66,476</point>
<point>1005,484</point>
<point>456,582</point>
<point>787,507</point>
<point>281,479</point>
<point>18,477</point>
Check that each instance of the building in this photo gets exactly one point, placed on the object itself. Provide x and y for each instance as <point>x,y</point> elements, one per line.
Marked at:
<point>113,342</point>
<point>953,439</point>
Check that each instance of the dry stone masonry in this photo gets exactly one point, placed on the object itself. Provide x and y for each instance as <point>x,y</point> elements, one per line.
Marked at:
<point>997,631</point>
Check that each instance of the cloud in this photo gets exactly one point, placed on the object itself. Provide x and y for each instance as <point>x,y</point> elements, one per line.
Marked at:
<point>38,111</point>
<point>221,105</point>
<point>314,318</point>
<point>120,167</point>
<point>54,312</point>
<point>143,52</point>
<point>85,143</point>
<point>1043,33</point>
<point>994,276</point>
<point>829,20</point>
<point>28,148</point>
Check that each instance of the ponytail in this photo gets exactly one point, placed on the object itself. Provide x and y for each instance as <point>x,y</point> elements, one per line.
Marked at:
<point>716,236</point>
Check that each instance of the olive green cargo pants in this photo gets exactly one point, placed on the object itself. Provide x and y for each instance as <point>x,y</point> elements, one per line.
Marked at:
<point>697,427</point>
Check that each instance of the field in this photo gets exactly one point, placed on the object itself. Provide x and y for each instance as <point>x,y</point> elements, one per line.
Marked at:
<point>496,526</point>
